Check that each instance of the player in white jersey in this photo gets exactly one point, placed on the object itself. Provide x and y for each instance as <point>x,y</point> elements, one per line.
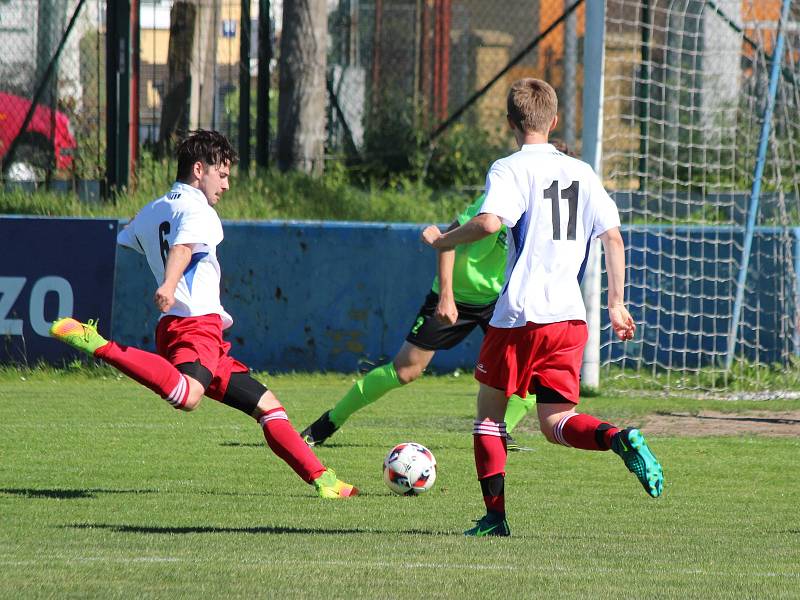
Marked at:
<point>178,234</point>
<point>553,206</point>
<point>182,217</point>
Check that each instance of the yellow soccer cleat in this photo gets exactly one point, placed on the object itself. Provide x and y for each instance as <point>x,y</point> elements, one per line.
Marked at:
<point>328,486</point>
<point>81,336</point>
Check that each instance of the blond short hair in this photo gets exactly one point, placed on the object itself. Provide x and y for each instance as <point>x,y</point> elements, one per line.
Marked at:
<point>532,105</point>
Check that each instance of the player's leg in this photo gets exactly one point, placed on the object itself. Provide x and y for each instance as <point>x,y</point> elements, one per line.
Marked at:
<point>556,383</point>
<point>560,424</point>
<point>245,393</point>
<point>410,362</point>
<point>518,406</point>
<point>407,366</point>
<point>556,365</point>
<point>147,368</point>
<point>516,410</point>
<point>500,372</point>
<point>426,336</point>
<point>489,444</point>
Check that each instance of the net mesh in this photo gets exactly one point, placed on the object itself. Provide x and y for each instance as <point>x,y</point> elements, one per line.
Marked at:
<point>686,89</point>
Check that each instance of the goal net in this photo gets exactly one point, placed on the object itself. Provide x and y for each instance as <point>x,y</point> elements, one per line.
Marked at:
<point>713,249</point>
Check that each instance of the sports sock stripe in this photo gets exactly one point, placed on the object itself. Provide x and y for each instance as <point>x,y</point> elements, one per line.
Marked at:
<point>177,397</point>
<point>558,431</point>
<point>272,416</point>
<point>489,427</point>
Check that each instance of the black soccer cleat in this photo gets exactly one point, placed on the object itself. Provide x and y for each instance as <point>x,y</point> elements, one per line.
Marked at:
<point>319,431</point>
<point>491,524</point>
<point>512,445</point>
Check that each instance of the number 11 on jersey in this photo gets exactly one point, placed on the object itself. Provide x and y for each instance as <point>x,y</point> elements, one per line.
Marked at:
<point>571,195</point>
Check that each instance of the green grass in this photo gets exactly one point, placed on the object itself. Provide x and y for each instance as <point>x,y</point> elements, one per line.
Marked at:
<point>266,195</point>
<point>107,492</point>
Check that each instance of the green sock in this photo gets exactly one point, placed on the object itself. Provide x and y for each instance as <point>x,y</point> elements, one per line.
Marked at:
<point>516,409</point>
<point>365,391</point>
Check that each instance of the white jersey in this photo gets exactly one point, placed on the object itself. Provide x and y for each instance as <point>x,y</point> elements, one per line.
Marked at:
<point>553,205</point>
<point>182,216</point>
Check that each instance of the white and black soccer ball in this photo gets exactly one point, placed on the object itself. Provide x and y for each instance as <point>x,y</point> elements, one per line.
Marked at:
<point>409,469</point>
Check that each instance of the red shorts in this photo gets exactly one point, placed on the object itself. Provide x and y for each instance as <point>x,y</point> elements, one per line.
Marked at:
<point>187,339</point>
<point>514,359</point>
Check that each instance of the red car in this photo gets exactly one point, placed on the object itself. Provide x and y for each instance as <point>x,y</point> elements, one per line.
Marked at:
<point>42,147</point>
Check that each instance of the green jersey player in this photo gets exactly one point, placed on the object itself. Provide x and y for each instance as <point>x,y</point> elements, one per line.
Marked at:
<point>462,297</point>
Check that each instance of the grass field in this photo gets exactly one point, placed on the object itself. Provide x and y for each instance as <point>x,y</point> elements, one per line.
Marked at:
<point>107,492</point>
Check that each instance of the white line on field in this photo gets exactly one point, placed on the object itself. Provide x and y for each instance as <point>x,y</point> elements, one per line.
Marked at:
<point>389,564</point>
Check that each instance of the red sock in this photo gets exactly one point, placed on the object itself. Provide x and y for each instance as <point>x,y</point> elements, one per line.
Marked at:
<point>489,444</point>
<point>289,446</point>
<point>584,431</point>
<point>151,370</point>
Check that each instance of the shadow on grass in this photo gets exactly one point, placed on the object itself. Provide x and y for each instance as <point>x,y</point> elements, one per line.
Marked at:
<point>68,494</point>
<point>92,493</point>
<point>251,530</point>
<point>326,445</point>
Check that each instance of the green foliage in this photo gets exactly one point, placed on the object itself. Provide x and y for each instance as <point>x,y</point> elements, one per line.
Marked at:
<point>88,126</point>
<point>689,150</point>
<point>266,195</point>
<point>230,120</point>
<point>462,156</point>
<point>397,147</point>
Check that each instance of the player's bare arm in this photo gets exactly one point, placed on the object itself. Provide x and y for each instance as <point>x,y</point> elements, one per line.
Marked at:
<point>446,311</point>
<point>614,248</point>
<point>178,259</point>
<point>477,228</point>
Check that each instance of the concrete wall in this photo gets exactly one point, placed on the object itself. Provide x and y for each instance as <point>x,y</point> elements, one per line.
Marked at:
<point>339,296</point>
<point>305,296</point>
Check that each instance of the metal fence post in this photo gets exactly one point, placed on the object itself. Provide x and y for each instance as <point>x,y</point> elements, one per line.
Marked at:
<point>262,98</point>
<point>118,51</point>
<point>593,93</point>
<point>244,89</point>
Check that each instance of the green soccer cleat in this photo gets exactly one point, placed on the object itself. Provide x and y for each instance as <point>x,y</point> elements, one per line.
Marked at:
<point>319,431</point>
<point>630,445</point>
<point>81,336</point>
<point>491,523</point>
<point>328,486</point>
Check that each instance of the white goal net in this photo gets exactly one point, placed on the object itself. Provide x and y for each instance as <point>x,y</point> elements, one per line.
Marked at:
<point>713,248</point>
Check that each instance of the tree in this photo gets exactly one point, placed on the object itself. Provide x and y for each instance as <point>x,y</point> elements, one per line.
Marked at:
<point>302,100</point>
<point>175,104</point>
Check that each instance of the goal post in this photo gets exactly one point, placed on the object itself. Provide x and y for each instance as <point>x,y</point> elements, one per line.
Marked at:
<point>593,63</point>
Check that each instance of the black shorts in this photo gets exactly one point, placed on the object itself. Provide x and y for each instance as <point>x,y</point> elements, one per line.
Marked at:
<point>429,333</point>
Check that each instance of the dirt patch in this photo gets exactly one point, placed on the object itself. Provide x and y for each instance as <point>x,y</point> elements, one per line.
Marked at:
<point>719,423</point>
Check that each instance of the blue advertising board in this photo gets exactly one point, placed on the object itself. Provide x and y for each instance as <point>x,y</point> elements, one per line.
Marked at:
<point>52,268</point>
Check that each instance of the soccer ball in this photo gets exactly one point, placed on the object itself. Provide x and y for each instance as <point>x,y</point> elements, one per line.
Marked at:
<point>409,469</point>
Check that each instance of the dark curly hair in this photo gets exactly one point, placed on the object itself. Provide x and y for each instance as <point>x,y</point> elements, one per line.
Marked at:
<point>205,145</point>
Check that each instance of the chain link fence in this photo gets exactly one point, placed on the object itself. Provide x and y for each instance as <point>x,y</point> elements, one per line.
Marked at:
<point>407,73</point>
<point>51,92</point>
<point>414,86</point>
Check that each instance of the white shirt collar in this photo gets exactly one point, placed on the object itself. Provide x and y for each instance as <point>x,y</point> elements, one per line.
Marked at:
<point>538,148</point>
<point>193,192</point>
